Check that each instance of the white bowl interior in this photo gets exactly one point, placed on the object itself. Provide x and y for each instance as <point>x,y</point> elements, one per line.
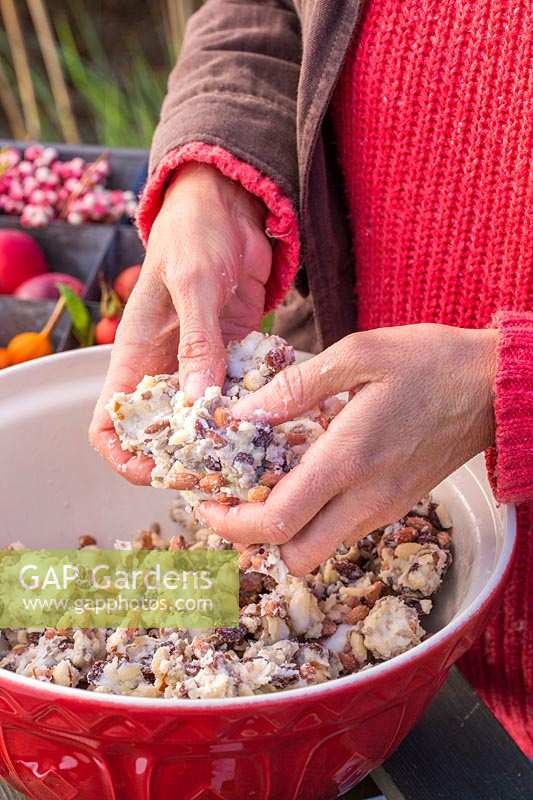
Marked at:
<point>54,487</point>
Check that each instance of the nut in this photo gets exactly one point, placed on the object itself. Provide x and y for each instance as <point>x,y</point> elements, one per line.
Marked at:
<point>212,483</point>
<point>348,661</point>
<point>270,478</point>
<point>407,549</point>
<point>444,539</point>
<point>177,543</point>
<point>143,541</point>
<point>407,534</point>
<point>216,438</point>
<point>443,517</point>
<point>86,540</point>
<point>357,644</point>
<point>221,417</point>
<point>253,380</point>
<point>296,437</point>
<point>228,499</point>
<point>373,593</point>
<point>330,574</point>
<point>184,480</point>
<point>157,427</point>
<point>328,627</point>
<point>258,494</point>
<point>356,614</point>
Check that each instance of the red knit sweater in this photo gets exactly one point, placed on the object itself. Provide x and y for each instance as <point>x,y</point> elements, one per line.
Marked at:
<point>434,130</point>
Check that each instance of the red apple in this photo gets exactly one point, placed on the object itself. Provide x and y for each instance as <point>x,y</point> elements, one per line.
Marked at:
<point>105,330</point>
<point>20,258</point>
<point>125,282</point>
<point>44,287</point>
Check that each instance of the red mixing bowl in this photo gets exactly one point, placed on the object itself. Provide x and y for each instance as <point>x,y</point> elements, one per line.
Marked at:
<point>311,744</point>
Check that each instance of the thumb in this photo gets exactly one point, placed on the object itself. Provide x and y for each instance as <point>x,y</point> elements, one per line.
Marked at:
<point>201,351</point>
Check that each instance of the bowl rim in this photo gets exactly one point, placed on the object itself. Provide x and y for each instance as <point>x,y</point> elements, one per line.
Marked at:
<point>418,652</point>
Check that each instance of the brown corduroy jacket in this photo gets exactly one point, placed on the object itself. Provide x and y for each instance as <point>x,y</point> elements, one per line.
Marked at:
<point>256,77</point>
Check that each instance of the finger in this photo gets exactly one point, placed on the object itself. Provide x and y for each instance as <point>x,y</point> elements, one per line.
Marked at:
<point>146,344</point>
<point>301,387</point>
<point>326,469</point>
<point>346,519</point>
<point>198,299</point>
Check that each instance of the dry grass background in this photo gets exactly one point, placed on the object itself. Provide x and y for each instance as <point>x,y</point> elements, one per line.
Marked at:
<point>87,70</point>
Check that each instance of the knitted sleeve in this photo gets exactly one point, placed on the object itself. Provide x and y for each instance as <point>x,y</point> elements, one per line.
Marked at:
<point>510,462</point>
<point>281,222</point>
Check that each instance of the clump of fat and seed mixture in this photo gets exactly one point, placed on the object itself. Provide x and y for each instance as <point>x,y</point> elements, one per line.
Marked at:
<point>362,606</point>
<point>200,448</point>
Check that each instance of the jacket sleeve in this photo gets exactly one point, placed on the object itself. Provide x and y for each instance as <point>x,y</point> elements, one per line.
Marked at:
<point>235,85</point>
<point>510,462</point>
<point>231,103</point>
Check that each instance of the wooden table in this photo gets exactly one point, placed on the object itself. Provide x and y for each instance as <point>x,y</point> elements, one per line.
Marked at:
<point>458,751</point>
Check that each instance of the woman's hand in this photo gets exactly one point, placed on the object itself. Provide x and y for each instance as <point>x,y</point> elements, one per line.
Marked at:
<point>421,406</point>
<point>202,283</point>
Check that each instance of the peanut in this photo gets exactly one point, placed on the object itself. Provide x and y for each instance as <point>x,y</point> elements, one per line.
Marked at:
<point>356,614</point>
<point>373,593</point>
<point>228,500</point>
<point>253,380</point>
<point>212,483</point>
<point>258,494</point>
<point>221,417</point>
<point>407,549</point>
<point>295,437</point>
<point>157,427</point>
<point>270,478</point>
<point>407,535</point>
<point>357,643</point>
<point>86,540</point>
<point>216,438</point>
<point>444,539</point>
<point>177,543</point>
<point>184,480</point>
<point>328,627</point>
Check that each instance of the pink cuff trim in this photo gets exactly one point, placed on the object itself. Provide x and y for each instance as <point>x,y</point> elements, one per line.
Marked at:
<point>281,222</point>
<point>510,463</point>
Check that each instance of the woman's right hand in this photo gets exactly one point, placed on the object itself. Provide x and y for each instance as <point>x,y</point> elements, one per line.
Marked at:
<point>202,284</point>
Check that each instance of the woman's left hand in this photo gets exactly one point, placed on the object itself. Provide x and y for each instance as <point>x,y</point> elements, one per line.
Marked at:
<point>421,405</point>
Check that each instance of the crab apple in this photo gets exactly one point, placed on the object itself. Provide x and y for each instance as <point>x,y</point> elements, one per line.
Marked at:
<point>9,158</point>
<point>33,152</point>
<point>47,157</point>
<point>29,184</point>
<point>51,198</point>
<point>21,258</point>
<point>36,216</point>
<point>38,198</point>
<point>15,190</point>
<point>75,218</point>
<point>25,168</point>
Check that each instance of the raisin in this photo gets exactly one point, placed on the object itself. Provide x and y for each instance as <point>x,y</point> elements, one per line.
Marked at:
<point>96,671</point>
<point>263,436</point>
<point>229,636</point>
<point>212,463</point>
<point>201,427</point>
<point>348,569</point>
<point>244,458</point>
<point>276,360</point>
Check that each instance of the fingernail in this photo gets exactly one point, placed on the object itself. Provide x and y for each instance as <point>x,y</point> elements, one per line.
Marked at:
<point>195,384</point>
